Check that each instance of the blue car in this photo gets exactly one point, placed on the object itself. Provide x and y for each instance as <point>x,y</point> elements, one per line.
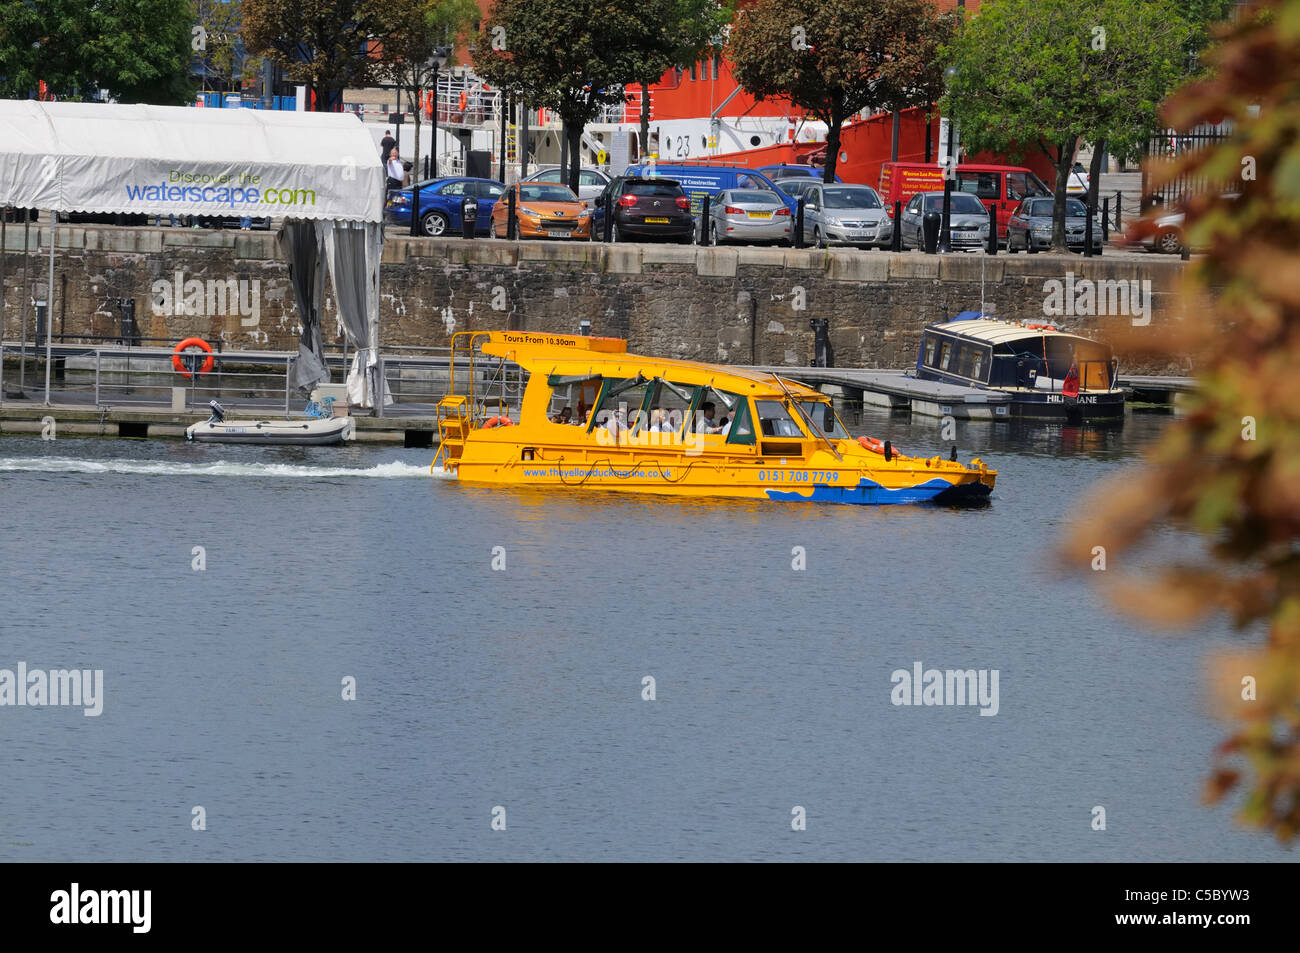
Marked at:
<point>440,205</point>
<point>792,171</point>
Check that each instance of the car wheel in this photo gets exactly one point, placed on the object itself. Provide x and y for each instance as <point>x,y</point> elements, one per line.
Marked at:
<point>1030,248</point>
<point>618,234</point>
<point>1011,242</point>
<point>818,238</point>
<point>433,224</point>
<point>1169,242</point>
<point>492,229</point>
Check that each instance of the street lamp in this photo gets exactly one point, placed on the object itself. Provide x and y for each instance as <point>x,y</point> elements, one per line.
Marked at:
<point>949,146</point>
<point>436,62</point>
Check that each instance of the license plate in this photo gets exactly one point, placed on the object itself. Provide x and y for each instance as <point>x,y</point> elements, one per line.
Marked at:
<point>760,214</point>
<point>656,221</point>
<point>558,232</point>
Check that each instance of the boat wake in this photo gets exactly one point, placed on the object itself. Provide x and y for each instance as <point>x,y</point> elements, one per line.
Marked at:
<point>221,468</point>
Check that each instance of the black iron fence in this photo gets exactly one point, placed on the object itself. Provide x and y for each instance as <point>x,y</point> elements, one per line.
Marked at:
<point>1172,144</point>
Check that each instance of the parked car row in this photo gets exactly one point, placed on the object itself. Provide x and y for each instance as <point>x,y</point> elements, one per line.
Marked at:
<point>746,206</point>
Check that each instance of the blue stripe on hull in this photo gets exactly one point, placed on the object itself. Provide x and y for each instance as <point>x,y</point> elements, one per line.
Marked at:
<point>867,492</point>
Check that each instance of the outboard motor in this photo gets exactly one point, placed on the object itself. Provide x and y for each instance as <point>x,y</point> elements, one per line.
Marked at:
<point>218,412</point>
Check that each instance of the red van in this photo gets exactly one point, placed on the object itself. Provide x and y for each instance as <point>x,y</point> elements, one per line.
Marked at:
<point>997,186</point>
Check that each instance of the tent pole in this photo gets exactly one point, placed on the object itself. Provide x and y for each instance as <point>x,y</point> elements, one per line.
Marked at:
<point>49,315</point>
<point>27,257</point>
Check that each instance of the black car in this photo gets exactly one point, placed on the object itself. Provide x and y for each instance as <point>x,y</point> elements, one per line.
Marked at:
<point>646,208</point>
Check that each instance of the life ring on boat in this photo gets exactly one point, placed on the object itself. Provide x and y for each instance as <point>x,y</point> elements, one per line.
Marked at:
<point>501,421</point>
<point>1040,327</point>
<point>872,444</point>
<point>188,343</point>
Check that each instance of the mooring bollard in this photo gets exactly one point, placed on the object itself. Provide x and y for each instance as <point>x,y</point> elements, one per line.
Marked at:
<point>945,229</point>
<point>992,247</point>
<point>930,231</point>
<point>468,216</point>
<point>1105,220</point>
<point>1089,211</point>
<point>705,222</point>
<point>1119,200</point>
<point>896,242</point>
<point>798,224</point>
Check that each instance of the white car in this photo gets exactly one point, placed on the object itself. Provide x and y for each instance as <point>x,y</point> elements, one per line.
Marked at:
<point>591,182</point>
<point>1079,179</point>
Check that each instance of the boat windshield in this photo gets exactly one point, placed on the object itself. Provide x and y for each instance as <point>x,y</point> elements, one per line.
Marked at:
<point>775,420</point>
<point>824,416</point>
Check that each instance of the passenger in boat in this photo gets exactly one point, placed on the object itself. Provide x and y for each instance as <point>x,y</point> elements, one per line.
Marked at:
<point>706,423</point>
<point>615,425</point>
<point>565,416</point>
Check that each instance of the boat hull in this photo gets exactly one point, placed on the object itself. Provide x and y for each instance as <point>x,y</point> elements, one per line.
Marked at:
<point>913,481</point>
<point>313,432</point>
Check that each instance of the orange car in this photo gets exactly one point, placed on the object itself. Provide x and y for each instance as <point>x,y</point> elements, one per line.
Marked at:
<point>542,210</point>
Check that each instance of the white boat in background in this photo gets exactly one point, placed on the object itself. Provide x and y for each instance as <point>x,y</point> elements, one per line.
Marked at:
<point>304,431</point>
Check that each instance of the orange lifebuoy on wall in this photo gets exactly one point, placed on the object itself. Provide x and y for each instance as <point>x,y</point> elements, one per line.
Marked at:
<point>188,343</point>
<point>501,421</point>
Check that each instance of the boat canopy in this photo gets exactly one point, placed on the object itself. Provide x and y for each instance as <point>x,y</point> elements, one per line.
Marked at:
<point>575,355</point>
<point>995,332</point>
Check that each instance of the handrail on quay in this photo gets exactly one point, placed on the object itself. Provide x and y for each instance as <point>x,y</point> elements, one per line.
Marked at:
<point>116,375</point>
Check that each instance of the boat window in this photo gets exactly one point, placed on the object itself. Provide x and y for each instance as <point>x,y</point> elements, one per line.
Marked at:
<point>823,415</point>
<point>576,393</point>
<point>742,424</point>
<point>965,354</point>
<point>713,410</point>
<point>622,399</point>
<point>945,356</point>
<point>978,366</point>
<point>668,406</point>
<point>931,346</point>
<point>775,420</point>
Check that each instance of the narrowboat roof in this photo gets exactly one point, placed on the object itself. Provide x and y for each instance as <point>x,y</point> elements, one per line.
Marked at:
<point>993,331</point>
<point>571,354</point>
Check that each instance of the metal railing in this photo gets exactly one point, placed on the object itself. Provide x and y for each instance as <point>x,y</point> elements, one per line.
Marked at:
<point>110,375</point>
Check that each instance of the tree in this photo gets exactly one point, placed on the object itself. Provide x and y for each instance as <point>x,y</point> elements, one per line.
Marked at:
<point>1226,469</point>
<point>1052,73</point>
<point>420,30</point>
<point>324,44</point>
<point>138,50</point>
<point>670,33</point>
<point>570,56</point>
<point>835,58</point>
<point>218,48</point>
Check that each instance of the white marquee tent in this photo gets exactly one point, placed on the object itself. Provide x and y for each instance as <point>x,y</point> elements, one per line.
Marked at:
<point>320,172</point>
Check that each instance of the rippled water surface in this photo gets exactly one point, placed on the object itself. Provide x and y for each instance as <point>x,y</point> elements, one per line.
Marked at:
<point>523,688</point>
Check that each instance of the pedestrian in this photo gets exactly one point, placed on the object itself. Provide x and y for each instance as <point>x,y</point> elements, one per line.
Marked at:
<point>387,144</point>
<point>396,173</point>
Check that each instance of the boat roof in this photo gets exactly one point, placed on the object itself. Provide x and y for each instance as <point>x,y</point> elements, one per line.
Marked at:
<point>994,331</point>
<point>570,354</point>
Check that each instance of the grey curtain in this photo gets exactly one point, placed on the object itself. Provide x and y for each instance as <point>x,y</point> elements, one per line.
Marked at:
<point>353,250</point>
<point>301,244</point>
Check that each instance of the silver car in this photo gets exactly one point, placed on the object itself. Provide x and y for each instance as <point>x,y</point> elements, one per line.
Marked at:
<point>795,186</point>
<point>846,215</point>
<point>967,218</point>
<point>748,216</point>
<point>591,182</point>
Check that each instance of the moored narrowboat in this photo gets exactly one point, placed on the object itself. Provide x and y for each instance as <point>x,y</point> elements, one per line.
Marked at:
<point>1049,373</point>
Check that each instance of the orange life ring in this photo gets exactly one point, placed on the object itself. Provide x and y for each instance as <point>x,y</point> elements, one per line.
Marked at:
<point>187,343</point>
<point>501,421</point>
<point>873,444</point>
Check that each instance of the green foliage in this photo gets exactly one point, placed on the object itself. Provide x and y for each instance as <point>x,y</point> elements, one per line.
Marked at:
<point>222,57</point>
<point>333,35</point>
<point>1048,74</point>
<point>834,58</point>
<point>139,50</point>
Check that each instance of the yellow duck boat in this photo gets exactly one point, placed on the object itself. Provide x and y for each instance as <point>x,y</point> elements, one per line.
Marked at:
<point>557,410</point>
